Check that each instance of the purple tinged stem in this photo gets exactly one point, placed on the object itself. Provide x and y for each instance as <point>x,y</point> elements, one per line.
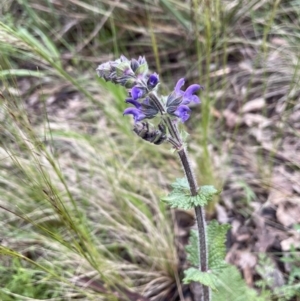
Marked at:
<point>199,210</point>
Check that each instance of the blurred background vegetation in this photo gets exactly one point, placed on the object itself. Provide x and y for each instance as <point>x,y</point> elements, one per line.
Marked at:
<point>80,212</point>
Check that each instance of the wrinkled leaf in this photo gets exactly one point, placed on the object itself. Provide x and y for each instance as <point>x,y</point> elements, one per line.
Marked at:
<point>192,248</point>
<point>216,236</point>
<point>180,196</point>
<point>231,286</point>
<point>206,278</point>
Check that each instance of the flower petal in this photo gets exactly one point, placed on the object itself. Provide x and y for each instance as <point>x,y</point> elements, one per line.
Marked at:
<point>188,94</point>
<point>153,80</point>
<point>192,89</point>
<point>179,84</point>
<point>137,114</point>
<point>182,112</point>
<point>137,92</point>
<point>133,102</point>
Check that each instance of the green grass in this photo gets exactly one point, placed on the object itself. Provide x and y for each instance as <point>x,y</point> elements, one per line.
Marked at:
<point>26,281</point>
<point>77,187</point>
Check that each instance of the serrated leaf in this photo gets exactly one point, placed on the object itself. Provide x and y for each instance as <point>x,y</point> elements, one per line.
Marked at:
<point>231,286</point>
<point>225,280</point>
<point>206,278</point>
<point>180,196</point>
<point>197,200</point>
<point>192,248</point>
<point>180,199</point>
<point>216,237</point>
<point>177,199</point>
<point>206,193</point>
<point>181,184</point>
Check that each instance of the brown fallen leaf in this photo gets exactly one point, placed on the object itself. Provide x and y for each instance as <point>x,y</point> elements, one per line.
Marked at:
<point>279,41</point>
<point>231,118</point>
<point>247,262</point>
<point>294,241</point>
<point>254,105</point>
<point>256,119</point>
<point>288,212</point>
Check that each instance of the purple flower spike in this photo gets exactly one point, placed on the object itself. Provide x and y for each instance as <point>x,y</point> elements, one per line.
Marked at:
<point>153,80</point>
<point>137,114</point>
<point>133,102</point>
<point>137,92</point>
<point>183,113</point>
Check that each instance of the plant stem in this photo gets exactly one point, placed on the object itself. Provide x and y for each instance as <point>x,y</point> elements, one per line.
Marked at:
<point>157,103</point>
<point>200,218</point>
<point>178,144</point>
<point>199,211</point>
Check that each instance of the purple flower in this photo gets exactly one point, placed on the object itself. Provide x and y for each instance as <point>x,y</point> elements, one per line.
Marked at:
<point>138,115</point>
<point>142,110</point>
<point>188,94</point>
<point>133,102</point>
<point>153,81</point>
<point>178,100</point>
<point>182,112</point>
<point>137,92</point>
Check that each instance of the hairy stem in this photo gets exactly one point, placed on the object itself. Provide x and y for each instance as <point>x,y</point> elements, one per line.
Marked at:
<point>200,218</point>
<point>174,142</point>
<point>199,211</point>
<point>173,130</point>
<point>178,144</point>
<point>157,103</point>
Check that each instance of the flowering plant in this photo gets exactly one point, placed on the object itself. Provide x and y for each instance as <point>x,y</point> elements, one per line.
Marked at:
<point>206,251</point>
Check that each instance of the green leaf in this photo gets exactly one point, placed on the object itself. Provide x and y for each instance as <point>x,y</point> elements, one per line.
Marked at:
<point>192,248</point>
<point>206,278</point>
<point>216,237</point>
<point>225,280</point>
<point>181,184</point>
<point>206,193</point>
<point>177,199</point>
<point>180,197</point>
<point>231,286</point>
